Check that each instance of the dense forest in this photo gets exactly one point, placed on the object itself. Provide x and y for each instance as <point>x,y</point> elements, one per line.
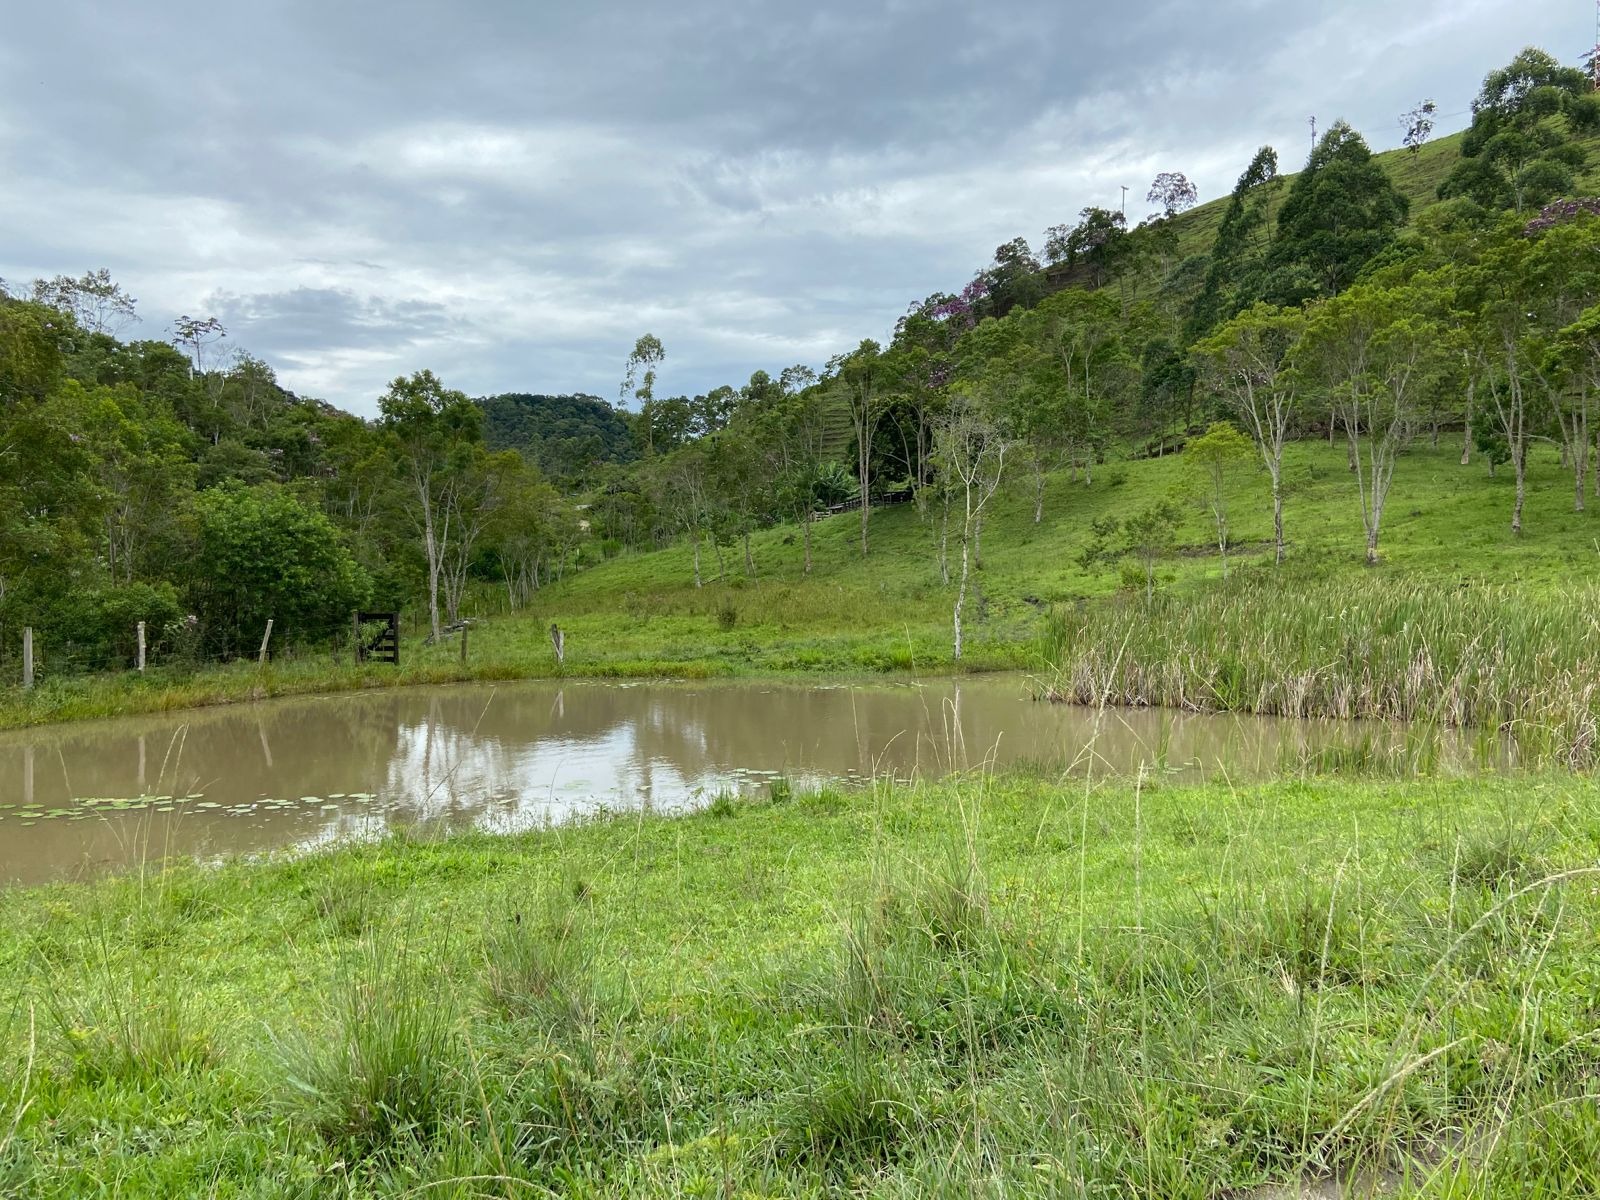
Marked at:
<point>173,481</point>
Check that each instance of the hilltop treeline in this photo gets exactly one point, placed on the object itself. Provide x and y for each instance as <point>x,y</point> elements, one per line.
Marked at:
<point>165,481</point>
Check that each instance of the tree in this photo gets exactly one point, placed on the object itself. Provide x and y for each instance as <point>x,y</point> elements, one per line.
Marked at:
<point>32,351</point>
<point>479,492</point>
<point>1371,349</point>
<point>528,527</point>
<point>434,430</point>
<point>1233,278</point>
<point>790,435</point>
<point>264,555</point>
<point>94,300</point>
<point>971,450</point>
<point>1524,147</point>
<point>640,382</point>
<point>1247,362</point>
<point>1519,292</point>
<point>197,336</point>
<point>1097,243</point>
<point>1145,536</point>
<point>858,378</point>
<point>142,473</point>
<point>1013,278</point>
<point>1083,334</point>
<point>1341,211</point>
<point>680,484</point>
<point>1563,270</point>
<point>1418,126</point>
<point>1214,454</point>
<point>1173,192</point>
<point>1574,361</point>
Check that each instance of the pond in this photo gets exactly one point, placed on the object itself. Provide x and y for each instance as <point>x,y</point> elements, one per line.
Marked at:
<point>290,775</point>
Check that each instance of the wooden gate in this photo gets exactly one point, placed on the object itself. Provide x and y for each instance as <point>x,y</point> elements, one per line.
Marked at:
<point>381,644</point>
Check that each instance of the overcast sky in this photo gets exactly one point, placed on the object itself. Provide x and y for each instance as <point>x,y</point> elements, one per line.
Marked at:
<point>511,191</point>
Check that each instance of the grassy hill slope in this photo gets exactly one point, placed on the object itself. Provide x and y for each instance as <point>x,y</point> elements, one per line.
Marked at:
<point>1446,523</point>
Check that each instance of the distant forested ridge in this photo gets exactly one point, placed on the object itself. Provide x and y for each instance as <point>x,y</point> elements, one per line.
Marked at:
<point>567,437</point>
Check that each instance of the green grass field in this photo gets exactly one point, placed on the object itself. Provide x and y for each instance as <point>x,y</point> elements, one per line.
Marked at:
<point>987,987</point>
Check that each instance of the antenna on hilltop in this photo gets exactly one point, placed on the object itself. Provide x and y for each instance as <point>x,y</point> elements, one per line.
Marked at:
<point>1314,122</point>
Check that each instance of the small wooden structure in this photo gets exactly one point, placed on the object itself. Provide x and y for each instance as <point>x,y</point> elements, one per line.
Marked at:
<point>382,647</point>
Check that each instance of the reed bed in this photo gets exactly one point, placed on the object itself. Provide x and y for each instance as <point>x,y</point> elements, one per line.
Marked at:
<point>1492,657</point>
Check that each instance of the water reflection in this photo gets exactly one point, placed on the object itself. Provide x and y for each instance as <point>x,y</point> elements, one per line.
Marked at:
<point>291,774</point>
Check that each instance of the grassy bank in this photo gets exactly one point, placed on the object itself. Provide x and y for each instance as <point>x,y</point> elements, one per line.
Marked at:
<point>640,615</point>
<point>1003,987</point>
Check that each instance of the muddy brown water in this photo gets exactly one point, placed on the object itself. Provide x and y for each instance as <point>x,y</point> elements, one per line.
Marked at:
<point>290,775</point>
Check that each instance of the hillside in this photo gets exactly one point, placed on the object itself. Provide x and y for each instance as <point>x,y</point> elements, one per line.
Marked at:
<point>1447,524</point>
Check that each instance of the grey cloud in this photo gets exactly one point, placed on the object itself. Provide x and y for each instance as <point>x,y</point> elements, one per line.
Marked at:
<point>510,192</point>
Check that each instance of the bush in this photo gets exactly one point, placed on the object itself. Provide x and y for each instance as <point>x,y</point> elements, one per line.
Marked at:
<point>266,556</point>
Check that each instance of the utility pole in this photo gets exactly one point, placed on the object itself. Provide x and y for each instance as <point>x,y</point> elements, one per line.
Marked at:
<point>1314,123</point>
<point>1125,189</point>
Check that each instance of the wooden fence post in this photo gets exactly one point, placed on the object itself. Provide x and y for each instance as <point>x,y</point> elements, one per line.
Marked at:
<point>27,657</point>
<point>141,647</point>
<point>261,659</point>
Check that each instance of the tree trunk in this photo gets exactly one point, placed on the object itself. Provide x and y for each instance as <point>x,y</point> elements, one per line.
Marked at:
<point>944,544</point>
<point>722,563</point>
<point>1580,450</point>
<point>1372,544</point>
<point>806,522</point>
<point>1519,460</point>
<point>864,479</point>
<point>961,594</point>
<point>1277,516</point>
<point>1466,434</point>
<point>1038,493</point>
<point>977,542</point>
<point>433,588</point>
<point>749,562</point>
<point>697,580</point>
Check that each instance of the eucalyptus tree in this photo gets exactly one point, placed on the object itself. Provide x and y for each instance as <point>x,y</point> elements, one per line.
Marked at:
<point>1564,271</point>
<point>1372,348</point>
<point>639,383</point>
<point>529,528</point>
<point>861,379</point>
<point>1213,455</point>
<point>789,435</point>
<point>971,447</point>
<point>1084,334</point>
<point>1247,364</point>
<point>1173,192</point>
<point>96,302</point>
<point>1521,290</point>
<point>434,432</point>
